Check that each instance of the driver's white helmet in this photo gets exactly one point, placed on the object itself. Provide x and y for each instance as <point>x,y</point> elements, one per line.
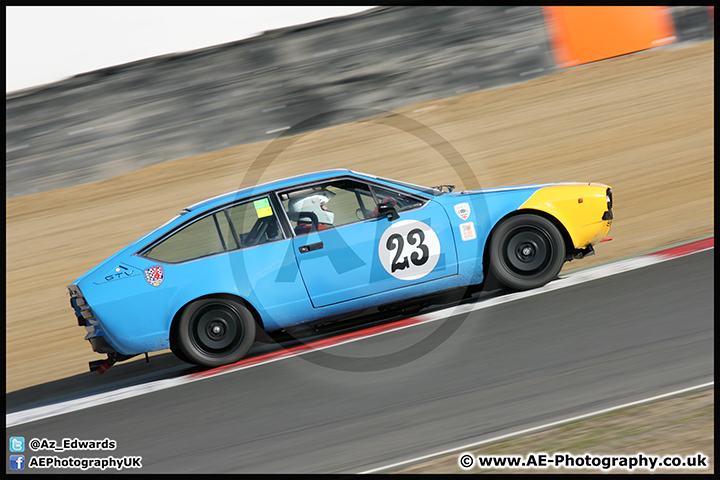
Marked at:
<point>315,203</point>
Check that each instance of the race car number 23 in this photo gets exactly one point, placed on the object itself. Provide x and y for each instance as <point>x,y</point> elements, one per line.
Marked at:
<point>409,249</point>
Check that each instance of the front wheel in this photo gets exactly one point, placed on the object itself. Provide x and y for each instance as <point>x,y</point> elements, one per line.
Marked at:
<point>526,251</point>
<point>214,332</point>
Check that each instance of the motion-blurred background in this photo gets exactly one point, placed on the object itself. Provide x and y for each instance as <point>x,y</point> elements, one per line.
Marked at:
<point>116,119</point>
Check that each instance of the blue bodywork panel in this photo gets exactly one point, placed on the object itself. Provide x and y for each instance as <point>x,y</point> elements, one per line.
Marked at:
<point>295,279</point>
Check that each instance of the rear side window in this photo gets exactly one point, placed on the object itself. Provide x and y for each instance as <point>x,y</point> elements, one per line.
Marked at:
<point>255,222</point>
<point>240,226</point>
<point>198,239</point>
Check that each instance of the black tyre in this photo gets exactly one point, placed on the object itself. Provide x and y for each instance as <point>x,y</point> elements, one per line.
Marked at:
<point>214,331</point>
<point>177,351</point>
<point>526,251</point>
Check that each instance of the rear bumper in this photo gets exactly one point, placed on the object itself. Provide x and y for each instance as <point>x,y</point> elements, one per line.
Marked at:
<point>86,318</point>
<point>83,313</point>
<point>100,344</point>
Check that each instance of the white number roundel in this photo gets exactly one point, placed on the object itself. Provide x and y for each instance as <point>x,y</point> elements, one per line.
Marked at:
<point>409,249</point>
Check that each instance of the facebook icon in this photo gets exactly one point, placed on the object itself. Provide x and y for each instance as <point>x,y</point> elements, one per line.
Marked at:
<point>17,462</point>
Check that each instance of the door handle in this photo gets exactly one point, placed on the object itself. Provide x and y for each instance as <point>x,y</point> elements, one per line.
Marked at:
<point>311,247</point>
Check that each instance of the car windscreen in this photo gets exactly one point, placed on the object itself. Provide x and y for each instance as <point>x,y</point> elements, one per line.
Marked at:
<point>428,190</point>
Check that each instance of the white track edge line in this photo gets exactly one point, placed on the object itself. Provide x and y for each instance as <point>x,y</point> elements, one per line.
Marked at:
<point>542,427</point>
<point>586,275</point>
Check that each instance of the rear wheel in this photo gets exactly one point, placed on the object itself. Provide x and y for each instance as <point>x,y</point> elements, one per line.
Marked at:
<point>526,251</point>
<point>215,331</point>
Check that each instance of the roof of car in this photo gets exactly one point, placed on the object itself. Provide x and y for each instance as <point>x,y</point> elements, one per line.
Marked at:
<point>270,186</point>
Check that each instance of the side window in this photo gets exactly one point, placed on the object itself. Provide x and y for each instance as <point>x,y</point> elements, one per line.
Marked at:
<point>255,222</point>
<point>328,205</point>
<point>399,201</point>
<point>226,232</point>
<point>198,239</point>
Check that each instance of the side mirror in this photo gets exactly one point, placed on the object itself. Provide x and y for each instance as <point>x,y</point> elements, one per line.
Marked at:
<point>384,209</point>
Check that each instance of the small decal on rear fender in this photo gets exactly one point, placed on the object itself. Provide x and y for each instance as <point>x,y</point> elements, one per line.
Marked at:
<point>120,271</point>
<point>154,275</point>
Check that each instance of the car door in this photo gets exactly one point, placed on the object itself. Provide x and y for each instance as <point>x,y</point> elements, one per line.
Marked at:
<point>347,248</point>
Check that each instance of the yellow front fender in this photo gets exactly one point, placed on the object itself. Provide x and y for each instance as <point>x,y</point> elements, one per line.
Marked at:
<point>579,207</point>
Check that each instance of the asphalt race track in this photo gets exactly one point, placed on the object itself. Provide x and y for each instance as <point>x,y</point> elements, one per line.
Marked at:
<point>512,366</point>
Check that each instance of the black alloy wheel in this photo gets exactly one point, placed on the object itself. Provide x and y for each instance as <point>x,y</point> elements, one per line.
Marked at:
<point>526,251</point>
<point>214,332</point>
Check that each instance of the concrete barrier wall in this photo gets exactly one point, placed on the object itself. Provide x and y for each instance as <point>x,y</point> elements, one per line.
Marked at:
<point>693,24</point>
<point>111,121</point>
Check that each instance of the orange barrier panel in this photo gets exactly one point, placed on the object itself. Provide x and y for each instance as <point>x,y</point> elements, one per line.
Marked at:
<point>586,34</point>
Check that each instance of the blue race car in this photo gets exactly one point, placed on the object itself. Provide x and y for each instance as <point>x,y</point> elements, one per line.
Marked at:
<point>327,245</point>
